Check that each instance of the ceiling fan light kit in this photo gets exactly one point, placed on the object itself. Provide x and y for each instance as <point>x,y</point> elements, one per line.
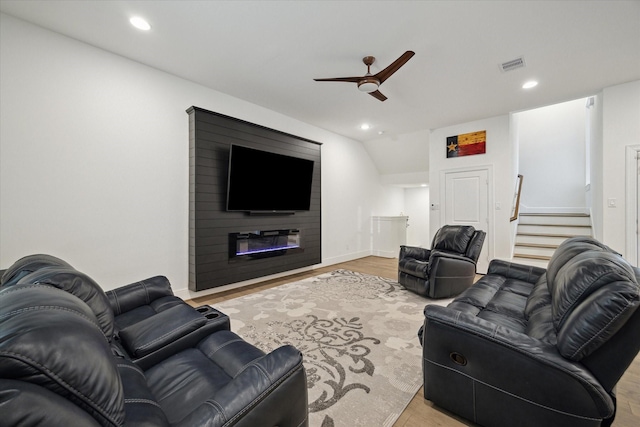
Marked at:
<point>371,82</point>
<point>368,85</point>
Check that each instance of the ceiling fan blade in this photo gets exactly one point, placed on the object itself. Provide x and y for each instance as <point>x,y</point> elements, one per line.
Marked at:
<point>395,66</point>
<point>341,79</point>
<point>378,95</point>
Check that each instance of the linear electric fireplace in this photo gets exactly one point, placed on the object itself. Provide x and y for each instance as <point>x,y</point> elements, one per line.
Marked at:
<point>262,244</point>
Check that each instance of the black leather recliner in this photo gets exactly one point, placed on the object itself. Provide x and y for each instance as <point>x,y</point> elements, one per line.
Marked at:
<point>532,347</point>
<point>145,319</point>
<point>446,269</point>
<point>62,361</point>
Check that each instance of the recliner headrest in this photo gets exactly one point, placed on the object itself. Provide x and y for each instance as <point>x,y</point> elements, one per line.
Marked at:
<point>29,264</point>
<point>82,286</point>
<point>453,238</point>
<point>51,338</point>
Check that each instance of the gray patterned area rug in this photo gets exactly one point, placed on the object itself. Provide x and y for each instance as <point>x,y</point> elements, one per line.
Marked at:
<point>358,335</point>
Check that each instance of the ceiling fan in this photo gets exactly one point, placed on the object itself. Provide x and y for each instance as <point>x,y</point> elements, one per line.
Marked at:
<point>370,82</point>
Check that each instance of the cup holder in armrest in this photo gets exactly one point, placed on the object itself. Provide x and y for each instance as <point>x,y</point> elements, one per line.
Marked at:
<point>209,312</point>
<point>215,318</point>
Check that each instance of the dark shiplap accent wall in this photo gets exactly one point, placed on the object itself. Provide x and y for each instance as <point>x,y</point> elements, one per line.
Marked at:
<point>210,137</point>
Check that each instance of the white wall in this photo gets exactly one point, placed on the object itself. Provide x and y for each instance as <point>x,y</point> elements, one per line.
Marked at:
<point>94,161</point>
<point>552,157</point>
<point>351,194</point>
<point>499,158</point>
<point>400,154</point>
<point>595,170</point>
<point>620,129</point>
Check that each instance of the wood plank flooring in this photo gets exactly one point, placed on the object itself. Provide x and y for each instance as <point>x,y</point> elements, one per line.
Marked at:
<point>422,412</point>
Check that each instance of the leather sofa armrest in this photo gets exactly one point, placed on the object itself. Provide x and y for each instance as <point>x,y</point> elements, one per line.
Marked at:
<point>449,255</point>
<point>415,252</point>
<point>512,270</point>
<point>509,361</point>
<point>134,295</point>
<point>444,265</point>
<point>449,274</point>
<point>155,332</point>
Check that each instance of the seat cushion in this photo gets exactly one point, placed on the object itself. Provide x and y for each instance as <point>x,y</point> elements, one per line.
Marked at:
<point>184,382</point>
<point>497,299</point>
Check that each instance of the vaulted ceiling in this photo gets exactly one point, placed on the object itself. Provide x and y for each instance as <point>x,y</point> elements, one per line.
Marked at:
<point>269,52</point>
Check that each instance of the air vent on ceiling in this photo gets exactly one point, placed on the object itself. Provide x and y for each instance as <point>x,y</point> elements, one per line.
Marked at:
<point>512,65</point>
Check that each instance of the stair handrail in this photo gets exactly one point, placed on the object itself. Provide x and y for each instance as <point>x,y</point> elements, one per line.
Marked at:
<point>516,198</point>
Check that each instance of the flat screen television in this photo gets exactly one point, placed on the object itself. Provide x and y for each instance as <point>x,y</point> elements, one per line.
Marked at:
<point>261,181</point>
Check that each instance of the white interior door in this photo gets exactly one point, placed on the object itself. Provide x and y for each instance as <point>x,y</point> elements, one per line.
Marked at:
<point>467,203</point>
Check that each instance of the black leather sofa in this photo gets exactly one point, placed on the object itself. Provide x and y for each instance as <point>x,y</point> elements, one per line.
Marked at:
<point>446,269</point>
<point>71,355</point>
<point>528,346</point>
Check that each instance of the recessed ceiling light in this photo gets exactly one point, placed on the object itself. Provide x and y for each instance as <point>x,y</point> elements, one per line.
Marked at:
<point>364,126</point>
<point>530,84</point>
<point>140,23</point>
<point>423,185</point>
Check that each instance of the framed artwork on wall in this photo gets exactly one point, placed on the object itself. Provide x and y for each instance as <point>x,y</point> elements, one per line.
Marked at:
<point>467,144</point>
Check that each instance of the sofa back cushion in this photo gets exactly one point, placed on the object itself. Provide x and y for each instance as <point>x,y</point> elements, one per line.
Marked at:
<point>27,265</point>
<point>453,238</point>
<point>569,249</point>
<point>52,339</point>
<point>592,296</point>
<point>82,286</point>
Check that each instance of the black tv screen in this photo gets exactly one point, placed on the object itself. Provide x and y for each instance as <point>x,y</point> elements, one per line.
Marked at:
<point>261,181</point>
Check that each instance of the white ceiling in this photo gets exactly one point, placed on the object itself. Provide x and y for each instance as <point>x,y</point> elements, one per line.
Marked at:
<point>269,52</point>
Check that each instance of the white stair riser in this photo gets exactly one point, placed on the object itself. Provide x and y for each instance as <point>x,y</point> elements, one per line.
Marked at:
<point>568,230</point>
<point>547,229</point>
<point>543,240</point>
<point>562,220</point>
<point>532,250</point>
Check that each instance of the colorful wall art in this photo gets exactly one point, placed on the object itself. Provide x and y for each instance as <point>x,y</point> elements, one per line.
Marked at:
<point>467,144</point>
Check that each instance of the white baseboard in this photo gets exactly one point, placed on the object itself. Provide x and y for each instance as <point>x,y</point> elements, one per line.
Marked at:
<point>186,293</point>
<point>343,258</point>
<point>386,254</point>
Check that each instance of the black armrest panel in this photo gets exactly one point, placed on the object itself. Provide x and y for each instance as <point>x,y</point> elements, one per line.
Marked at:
<point>416,252</point>
<point>157,331</point>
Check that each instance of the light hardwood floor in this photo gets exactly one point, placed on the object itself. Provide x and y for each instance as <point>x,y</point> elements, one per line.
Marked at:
<point>422,412</point>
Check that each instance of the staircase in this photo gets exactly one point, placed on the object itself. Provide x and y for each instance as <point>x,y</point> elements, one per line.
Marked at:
<point>539,234</point>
